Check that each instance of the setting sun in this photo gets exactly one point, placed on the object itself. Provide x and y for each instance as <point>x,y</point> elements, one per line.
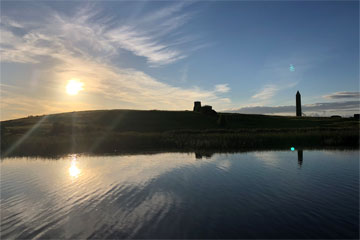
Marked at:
<point>74,86</point>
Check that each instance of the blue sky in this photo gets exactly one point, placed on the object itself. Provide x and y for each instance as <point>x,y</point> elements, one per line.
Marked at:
<point>234,55</point>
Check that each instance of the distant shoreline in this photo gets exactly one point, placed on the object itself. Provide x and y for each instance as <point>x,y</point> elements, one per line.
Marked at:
<point>201,154</point>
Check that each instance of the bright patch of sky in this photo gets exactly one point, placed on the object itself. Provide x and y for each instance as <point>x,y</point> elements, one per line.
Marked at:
<point>166,55</point>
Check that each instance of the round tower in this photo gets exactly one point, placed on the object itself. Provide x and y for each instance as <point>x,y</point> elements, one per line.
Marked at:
<point>197,106</point>
<point>298,104</point>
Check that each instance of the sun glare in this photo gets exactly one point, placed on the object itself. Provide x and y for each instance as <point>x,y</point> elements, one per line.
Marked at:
<point>74,171</point>
<point>74,86</point>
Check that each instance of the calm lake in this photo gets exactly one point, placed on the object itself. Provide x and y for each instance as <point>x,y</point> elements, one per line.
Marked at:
<point>274,194</point>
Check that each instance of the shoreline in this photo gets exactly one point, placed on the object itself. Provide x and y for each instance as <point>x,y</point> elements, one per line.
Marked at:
<point>183,141</point>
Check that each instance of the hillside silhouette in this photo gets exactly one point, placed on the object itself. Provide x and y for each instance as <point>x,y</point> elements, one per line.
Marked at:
<point>137,130</point>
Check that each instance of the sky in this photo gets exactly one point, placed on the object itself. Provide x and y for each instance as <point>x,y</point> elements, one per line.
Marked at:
<point>238,56</point>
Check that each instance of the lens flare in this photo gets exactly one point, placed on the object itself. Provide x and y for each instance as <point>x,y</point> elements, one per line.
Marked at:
<point>292,68</point>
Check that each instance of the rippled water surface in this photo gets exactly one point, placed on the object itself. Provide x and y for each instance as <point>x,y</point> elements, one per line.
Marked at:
<point>314,194</point>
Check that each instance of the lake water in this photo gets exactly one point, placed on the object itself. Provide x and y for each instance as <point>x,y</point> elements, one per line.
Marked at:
<point>283,194</point>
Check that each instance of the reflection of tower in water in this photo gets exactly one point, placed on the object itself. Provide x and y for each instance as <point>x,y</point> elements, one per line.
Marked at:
<point>300,157</point>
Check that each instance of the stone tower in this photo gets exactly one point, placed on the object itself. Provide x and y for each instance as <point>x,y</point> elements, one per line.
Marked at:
<point>197,106</point>
<point>298,104</point>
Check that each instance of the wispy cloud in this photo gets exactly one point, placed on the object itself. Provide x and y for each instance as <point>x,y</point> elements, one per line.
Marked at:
<point>144,45</point>
<point>184,73</point>
<point>266,93</point>
<point>82,46</point>
<point>144,37</point>
<point>339,95</point>
<point>270,90</point>
<point>222,88</point>
<point>88,30</point>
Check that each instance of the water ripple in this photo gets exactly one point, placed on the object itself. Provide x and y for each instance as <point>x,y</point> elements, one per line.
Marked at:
<point>254,195</point>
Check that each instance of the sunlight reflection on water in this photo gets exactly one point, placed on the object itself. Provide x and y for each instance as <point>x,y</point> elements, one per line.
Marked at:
<point>181,195</point>
<point>74,171</point>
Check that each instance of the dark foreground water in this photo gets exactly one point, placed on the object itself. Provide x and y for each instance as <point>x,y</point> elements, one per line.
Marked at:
<point>177,195</point>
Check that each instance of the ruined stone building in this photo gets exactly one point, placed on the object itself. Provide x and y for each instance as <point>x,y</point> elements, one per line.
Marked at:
<point>203,109</point>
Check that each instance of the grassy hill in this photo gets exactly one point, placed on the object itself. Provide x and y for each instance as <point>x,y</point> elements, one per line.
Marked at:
<point>122,130</point>
<point>160,121</point>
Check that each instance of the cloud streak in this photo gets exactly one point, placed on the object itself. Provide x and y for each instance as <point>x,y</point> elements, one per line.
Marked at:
<point>222,88</point>
<point>340,95</point>
<point>266,93</point>
<point>270,90</point>
<point>329,108</point>
<point>88,31</point>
